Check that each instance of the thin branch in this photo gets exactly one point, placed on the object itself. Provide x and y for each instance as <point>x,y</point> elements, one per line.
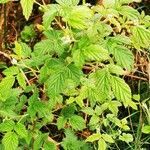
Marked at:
<point>5,55</point>
<point>136,77</point>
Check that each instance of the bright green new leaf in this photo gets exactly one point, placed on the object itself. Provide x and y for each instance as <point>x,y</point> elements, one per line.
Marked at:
<point>131,104</point>
<point>129,12</point>
<point>102,145</point>
<point>27,6</point>
<point>113,107</point>
<point>79,17</point>
<point>10,141</point>
<point>88,110</point>
<point>136,97</point>
<point>93,137</point>
<point>100,109</point>
<point>146,129</point>
<point>67,2</point>
<point>4,1</point>
<point>94,120</point>
<point>126,137</point>
<point>109,3</point>
<point>107,138</point>
<point>120,89</point>
<point>128,1</point>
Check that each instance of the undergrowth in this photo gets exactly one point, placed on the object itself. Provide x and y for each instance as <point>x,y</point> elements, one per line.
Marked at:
<point>84,85</point>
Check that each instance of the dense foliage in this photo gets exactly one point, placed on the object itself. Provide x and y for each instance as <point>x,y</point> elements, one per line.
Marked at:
<point>69,90</point>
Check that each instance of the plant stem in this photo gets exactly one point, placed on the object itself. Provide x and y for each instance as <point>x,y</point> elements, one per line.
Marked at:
<point>83,2</point>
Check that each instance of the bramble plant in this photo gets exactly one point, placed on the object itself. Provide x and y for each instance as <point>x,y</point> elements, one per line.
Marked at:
<point>71,83</point>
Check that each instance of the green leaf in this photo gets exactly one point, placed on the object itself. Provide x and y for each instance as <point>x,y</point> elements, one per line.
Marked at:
<point>93,137</point>
<point>115,69</point>
<point>27,6</point>
<point>102,145</point>
<point>67,2</point>
<point>7,83</point>
<point>21,130</point>
<point>18,49</point>
<point>146,129</point>
<point>6,126</point>
<point>96,52</point>
<point>132,104</point>
<point>88,110</point>
<point>11,71</point>
<point>94,120</point>
<point>68,111</point>
<point>129,1</point>
<point>140,37</point>
<point>26,50</point>
<point>123,56</point>
<point>70,142</point>
<point>126,137</point>
<point>100,109</point>
<point>39,140</point>
<point>21,80</point>
<point>120,89</point>
<point>56,83</point>
<point>73,73</point>
<point>113,107</point>
<point>54,36</point>
<point>107,138</point>
<point>4,1</point>
<point>102,78</point>
<point>49,15</point>
<point>27,34</point>
<point>49,146</point>
<point>129,12</point>
<point>77,122</point>
<point>78,58</point>
<point>79,17</point>
<point>136,97</point>
<point>61,121</point>
<point>109,3</point>
<point>43,47</point>
<point>10,141</point>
